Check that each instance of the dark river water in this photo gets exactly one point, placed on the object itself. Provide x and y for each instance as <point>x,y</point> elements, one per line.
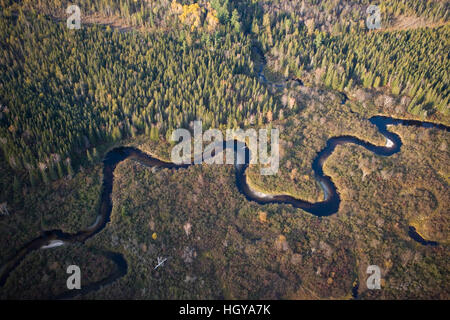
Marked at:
<point>328,206</point>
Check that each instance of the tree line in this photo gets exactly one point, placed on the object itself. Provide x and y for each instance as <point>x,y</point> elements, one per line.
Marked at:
<point>64,92</point>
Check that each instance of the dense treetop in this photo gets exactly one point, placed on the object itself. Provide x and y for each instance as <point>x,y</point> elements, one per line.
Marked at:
<point>65,92</point>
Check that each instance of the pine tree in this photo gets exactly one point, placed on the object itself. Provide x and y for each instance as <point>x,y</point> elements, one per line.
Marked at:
<point>17,189</point>
<point>45,176</point>
<point>52,171</point>
<point>60,170</point>
<point>255,27</point>
<point>33,178</point>
<point>235,21</point>
<point>69,169</point>
<point>154,134</point>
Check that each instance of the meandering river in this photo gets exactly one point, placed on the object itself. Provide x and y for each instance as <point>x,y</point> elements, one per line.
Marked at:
<point>328,206</point>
